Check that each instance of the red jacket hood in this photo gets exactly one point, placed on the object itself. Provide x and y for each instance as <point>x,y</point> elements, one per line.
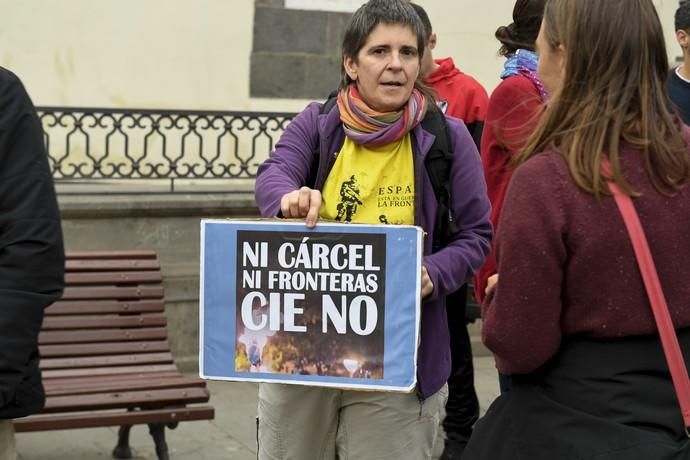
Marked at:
<point>447,69</point>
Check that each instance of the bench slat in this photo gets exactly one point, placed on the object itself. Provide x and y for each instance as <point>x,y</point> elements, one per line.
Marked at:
<point>94,379</point>
<point>78,386</point>
<point>151,398</point>
<point>110,255</point>
<point>63,422</point>
<point>108,292</point>
<point>66,307</point>
<point>79,278</point>
<point>102,361</point>
<point>89,265</point>
<point>108,370</point>
<point>100,322</point>
<point>101,349</point>
<point>105,335</point>
<point>133,384</point>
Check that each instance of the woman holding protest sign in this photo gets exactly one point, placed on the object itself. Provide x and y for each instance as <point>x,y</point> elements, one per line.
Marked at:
<point>569,317</point>
<point>341,163</point>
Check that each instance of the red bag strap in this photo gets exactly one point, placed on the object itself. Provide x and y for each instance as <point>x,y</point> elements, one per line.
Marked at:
<point>669,339</point>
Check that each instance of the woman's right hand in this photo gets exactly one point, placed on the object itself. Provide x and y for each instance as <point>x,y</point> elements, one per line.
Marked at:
<point>491,284</point>
<point>305,202</point>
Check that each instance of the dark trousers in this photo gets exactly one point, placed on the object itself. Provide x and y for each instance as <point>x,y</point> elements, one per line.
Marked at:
<point>462,408</point>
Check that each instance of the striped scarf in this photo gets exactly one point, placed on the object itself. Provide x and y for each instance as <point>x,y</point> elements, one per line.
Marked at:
<point>366,126</point>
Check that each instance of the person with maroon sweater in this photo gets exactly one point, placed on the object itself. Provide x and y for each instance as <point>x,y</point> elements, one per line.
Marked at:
<point>460,96</point>
<point>514,109</point>
<point>568,316</point>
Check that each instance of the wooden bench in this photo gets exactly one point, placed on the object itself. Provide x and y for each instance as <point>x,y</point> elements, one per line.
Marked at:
<point>105,356</point>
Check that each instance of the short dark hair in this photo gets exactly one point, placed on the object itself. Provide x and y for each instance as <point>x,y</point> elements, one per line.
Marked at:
<point>425,19</point>
<point>683,16</point>
<point>373,13</point>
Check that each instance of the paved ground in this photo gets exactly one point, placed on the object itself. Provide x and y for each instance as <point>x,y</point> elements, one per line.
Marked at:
<point>232,435</point>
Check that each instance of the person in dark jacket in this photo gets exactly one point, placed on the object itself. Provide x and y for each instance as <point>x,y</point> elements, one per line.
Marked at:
<point>678,81</point>
<point>372,141</point>
<point>31,255</point>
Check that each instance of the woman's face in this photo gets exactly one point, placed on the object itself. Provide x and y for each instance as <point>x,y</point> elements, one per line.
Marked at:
<point>551,63</point>
<point>386,67</point>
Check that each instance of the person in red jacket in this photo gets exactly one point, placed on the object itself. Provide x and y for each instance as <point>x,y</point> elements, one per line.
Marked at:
<point>457,94</point>
<point>514,109</point>
<point>461,96</point>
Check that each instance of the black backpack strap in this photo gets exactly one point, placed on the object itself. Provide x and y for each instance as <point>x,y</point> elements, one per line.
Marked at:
<point>329,103</point>
<point>438,163</point>
<point>327,106</point>
<point>476,128</point>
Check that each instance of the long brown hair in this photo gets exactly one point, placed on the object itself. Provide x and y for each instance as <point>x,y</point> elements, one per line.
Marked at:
<point>613,91</point>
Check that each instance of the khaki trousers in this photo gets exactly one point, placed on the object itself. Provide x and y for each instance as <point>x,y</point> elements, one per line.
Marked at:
<point>309,423</point>
<point>7,447</point>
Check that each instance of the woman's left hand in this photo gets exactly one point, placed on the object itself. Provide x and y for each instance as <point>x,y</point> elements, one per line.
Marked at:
<point>427,284</point>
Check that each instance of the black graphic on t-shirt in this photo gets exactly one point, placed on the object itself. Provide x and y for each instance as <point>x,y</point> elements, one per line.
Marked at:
<point>349,196</point>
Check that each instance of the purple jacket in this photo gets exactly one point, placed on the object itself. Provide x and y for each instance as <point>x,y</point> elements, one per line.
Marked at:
<point>290,166</point>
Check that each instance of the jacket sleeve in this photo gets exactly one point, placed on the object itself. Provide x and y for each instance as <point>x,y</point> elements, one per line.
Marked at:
<point>288,167</point>
<point>31,248</point>
<point>514,111</point>
<point>453,265</point>
<point>522,315</point>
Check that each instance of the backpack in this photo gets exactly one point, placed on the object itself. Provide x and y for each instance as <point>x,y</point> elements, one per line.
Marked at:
<point>437,163</point>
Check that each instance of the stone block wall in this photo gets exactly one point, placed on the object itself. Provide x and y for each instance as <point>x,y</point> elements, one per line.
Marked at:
<point>295,54</point>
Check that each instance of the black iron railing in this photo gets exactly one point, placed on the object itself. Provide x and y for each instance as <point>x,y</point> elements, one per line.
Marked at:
<point>116,147</point>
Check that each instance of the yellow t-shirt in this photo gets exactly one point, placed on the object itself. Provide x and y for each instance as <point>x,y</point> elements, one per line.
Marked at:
<point>371,185</point>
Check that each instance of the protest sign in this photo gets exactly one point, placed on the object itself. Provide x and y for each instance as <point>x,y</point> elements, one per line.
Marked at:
<point>337,305</point>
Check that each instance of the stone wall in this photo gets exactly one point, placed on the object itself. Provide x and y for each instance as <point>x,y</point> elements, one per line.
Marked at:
<point>295,53</point>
